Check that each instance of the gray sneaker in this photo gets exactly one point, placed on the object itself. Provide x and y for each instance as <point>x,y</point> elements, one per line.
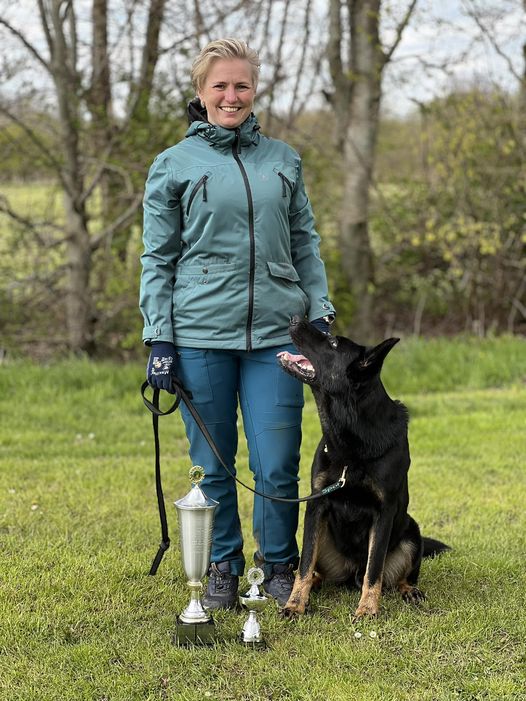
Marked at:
<point>279,584</point>
<point>221,591</point>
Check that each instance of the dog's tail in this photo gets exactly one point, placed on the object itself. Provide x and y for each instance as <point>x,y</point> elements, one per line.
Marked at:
<point>432,547</point>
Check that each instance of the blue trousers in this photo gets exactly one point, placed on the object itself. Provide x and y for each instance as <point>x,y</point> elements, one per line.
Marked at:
<point>271,404</point>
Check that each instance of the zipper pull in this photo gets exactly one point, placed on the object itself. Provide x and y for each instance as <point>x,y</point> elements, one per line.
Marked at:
<point>205,178</point>
<point>283,186</point>
<point>238,140</point>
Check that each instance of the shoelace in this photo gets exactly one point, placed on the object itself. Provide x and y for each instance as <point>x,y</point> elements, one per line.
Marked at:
<point>219,581</point>
<point>222,582</point>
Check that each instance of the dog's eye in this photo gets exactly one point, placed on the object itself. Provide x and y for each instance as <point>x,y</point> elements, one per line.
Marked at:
<point>333,341</point>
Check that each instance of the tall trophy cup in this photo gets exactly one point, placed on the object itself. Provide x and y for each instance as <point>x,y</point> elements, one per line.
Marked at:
<point>195,625</point>
<point>254,601</point>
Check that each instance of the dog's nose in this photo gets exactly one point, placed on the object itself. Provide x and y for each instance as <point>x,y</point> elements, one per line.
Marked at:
<point>294,320</point>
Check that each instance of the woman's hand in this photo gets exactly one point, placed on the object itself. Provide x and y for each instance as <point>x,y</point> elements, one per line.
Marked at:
<point>322,324</point>
<point>162,366</point>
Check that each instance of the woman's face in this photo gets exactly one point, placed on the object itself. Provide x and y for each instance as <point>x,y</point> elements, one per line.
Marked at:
<point>228,92</point>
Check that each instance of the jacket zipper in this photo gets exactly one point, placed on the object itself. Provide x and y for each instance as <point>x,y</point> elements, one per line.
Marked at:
<point>235,152</point>
<point>284,180</point>
<point>199,183</point>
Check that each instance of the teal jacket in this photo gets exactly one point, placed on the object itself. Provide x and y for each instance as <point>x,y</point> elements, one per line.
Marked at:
<point>230,248</point>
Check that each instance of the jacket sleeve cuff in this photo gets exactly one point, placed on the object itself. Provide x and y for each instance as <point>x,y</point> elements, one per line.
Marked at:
<point>157,333</point>
<point>321,309</point>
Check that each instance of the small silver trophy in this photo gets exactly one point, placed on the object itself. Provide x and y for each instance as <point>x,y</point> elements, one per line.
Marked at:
<point>196,518</point>
<point>254,601</point>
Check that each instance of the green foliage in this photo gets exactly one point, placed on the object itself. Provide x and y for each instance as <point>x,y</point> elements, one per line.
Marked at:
<point>418,365</point>
<point>20,158</point>
<point>83,621</point>
<point>451,237</point>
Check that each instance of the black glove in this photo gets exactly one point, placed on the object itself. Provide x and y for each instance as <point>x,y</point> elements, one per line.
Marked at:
<point>322,324</point>
<point>162,366</point>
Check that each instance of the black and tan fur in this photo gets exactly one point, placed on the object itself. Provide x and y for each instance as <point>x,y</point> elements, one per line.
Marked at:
<point>360,535</point>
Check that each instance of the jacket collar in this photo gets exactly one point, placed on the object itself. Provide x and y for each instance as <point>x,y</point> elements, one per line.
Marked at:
<point>224,138</point>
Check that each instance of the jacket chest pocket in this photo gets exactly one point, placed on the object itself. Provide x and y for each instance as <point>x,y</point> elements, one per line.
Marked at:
<point>199,187</point>
<point>287,182</point>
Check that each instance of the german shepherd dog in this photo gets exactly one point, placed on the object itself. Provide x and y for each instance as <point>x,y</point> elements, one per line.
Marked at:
<point>360,535</point>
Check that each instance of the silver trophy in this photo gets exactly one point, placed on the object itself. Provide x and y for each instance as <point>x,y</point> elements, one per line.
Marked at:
<point>254,601</point>
<point>196,518</point>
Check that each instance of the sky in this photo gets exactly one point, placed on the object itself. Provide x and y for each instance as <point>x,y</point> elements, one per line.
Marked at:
<point>441,48</point>
<point>444,48</point>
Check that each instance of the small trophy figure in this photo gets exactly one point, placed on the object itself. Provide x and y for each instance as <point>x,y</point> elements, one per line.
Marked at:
<point>254,601</point>
<point>196,517</point>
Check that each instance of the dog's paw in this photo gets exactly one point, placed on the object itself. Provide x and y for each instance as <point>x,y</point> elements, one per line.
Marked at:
<point>413,595</point>
<point>292,610</point>
<point>365,611</point>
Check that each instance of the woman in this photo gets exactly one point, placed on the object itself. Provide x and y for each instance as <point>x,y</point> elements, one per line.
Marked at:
<point>230,254</point>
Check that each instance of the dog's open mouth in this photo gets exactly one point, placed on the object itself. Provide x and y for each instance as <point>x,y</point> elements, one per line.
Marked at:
<point>297,365</point>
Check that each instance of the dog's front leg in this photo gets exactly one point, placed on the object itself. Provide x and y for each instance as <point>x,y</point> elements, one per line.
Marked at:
<point>379,536</point>
<point>299,597</point>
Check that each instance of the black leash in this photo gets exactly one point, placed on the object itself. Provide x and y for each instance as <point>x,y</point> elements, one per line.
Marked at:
<point>185,396</point>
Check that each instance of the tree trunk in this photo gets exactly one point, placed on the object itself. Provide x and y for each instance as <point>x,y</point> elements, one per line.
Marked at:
<point>140,96</point>
<point>78,294</point>
<point>63,51</point>
<point>359,153</point>
<point>356,76</point>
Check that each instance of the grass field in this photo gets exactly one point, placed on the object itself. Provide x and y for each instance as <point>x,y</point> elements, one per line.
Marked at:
<point>81,620</point>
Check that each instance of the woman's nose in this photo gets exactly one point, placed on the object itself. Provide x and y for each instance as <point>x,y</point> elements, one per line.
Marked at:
<point>230,94</point>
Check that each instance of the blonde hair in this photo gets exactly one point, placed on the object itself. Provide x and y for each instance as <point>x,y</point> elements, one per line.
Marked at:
<point>223,48</point>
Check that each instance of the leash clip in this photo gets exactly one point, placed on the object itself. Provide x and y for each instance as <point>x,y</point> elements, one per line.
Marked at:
<point>335,485</point>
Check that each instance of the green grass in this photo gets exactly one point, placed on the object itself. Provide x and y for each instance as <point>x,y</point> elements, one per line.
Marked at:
<point>81,620</point>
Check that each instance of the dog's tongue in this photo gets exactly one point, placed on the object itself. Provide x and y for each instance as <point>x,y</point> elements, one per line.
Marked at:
<point>299,359</point>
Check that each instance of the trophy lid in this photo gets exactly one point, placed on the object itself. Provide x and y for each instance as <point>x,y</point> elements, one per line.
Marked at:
<point>196,498</point>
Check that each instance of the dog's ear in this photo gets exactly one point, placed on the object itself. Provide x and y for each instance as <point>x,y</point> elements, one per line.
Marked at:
<point>373,359</point>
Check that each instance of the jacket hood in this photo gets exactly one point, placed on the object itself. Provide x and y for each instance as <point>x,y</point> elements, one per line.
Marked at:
<point>196,112</point>
<point>220,136</point>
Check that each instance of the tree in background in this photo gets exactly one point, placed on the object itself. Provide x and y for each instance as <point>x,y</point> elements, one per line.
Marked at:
<point>357,61</point>
<point>70,123</point>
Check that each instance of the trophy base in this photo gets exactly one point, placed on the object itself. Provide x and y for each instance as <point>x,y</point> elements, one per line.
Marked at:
<point>255,644</point>
<point>194,633</point>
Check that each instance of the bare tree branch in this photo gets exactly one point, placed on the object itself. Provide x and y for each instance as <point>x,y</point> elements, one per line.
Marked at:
<point>150,55</point>
<point>45,27</point>
<point>48,156</point>
<point>32,50</point>
<point>278,59</point>
<point>301,65</point>
<point>334,46</point>
<point>399,31</point>
<point>35,226</point>
<point>217,19</point>
<point>472,12</point>
<point>118,223</point>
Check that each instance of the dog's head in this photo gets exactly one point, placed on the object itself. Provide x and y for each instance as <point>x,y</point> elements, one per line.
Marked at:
<point>333,364</point>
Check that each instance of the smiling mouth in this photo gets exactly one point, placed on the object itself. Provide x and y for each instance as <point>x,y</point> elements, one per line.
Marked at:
<point>297,365</point>
<point>230,110</point>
